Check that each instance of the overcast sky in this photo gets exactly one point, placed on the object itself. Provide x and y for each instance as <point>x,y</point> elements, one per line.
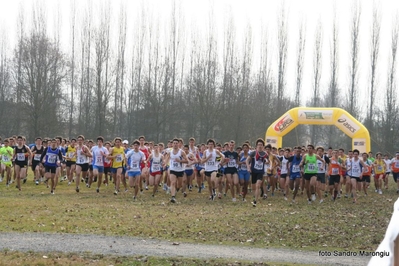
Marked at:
<point>247,12</point>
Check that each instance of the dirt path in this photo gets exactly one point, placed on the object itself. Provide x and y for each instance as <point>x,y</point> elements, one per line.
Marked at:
<point>127,246</point>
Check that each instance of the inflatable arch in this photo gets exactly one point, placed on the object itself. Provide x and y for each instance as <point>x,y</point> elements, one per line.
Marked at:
<point>319,116</point>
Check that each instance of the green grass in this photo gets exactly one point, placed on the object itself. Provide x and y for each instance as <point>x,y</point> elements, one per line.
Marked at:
<point>274,223</point>
<point>31,258</point>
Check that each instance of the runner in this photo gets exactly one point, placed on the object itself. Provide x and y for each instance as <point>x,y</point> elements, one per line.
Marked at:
<point>211,168</point>
<point>379,172</point>
<point>188,169</point>
<point>295,171</point>
<point>37,151</point>
<point>70,155</point>
<point>231,160</point>
<point>243,172</point>
<point>387,162</point>
<point>356,169</point>
<point>367,173</point>
<point>107,164</point>
<point>284,178</point>
<point>21,155</point>
<point>144,167</point>
<point>156,161</point>
<point>309,162</point>
<point>334,171</point>
<point>7,153</point>
<point>117,154</point>
<point>321,173</point>
<point>395,170</point>
<point>99,154</point>
<point>82,160</point>
<point>51,159</point>
<point>135,157</point>
<point>200,167</point>
<point>256,165</point>
<point>177,158</point>
<point>348,182</point>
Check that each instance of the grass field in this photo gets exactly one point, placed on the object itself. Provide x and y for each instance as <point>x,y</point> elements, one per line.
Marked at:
<point>40,259</point>
<point>273,223</point>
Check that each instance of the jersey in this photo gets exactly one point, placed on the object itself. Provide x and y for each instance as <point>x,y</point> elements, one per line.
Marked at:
<point>52,156</point>
<point>211,164</point>
<point>310,164</point>
<point>98,158</point>
<point>174,165</point>
<point>156,163</point>
<point>258,161</point>
<point>81,158</point>
<point>38,153</point>
<point>135,158</point>
<point>117,162</point>
<point>6,155</point>
<point>70,153</point>
<point>335,166</point>
<point>379,167</point>
<point>232,156</point>
<point>295,161</point>
<point>355,169</point>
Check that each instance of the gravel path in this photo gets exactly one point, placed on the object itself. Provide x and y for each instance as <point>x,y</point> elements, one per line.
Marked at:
<point>128,246</point>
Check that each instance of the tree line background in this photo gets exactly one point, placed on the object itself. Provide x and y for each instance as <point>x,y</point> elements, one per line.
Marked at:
<point>115,79</point>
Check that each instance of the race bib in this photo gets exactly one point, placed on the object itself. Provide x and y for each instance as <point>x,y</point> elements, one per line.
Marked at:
<point>118,158</point>
<point>258,165</point>
<point>244,167</point>
<point>355,170</point>
<point>379,168</point>
<point>311,167</point>
<point>135,165</point>
<point>81,160</point>
<point>335,171</point>
<point>175,164</point>
<point>231,163</point>
<point>37,157</point>
<point>320,166</point>
<point>397,165</point>
<point>71,154</point>
<point>99,159</point>
<point>6,158</point>
<point>52,158</point>
<point>210,163</point>
<point>156,168</point>
<point>20,156</point>
<point>295,168</point>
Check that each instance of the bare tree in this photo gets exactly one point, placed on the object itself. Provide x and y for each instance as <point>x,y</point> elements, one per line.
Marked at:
<point>120,73</point>
<point>317,65</point>
<point>352,97</point>
<point>374,53</point>
<point>390,126</point>
<point>71,108</point>
<point>282,43</point>
<point>300,62</point>
<point>333,88</point>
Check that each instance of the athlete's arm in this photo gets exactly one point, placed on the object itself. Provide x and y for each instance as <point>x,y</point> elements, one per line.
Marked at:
<point>185,160</point>
<point>220,154</point>
<point>88,152</point>
<point>43,156</point>
<point>248,162</point>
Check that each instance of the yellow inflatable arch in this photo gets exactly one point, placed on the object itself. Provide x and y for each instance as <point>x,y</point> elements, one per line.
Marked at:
<point>319,116</point>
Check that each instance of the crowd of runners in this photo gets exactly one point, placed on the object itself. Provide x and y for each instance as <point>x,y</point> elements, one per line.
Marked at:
<point>211,168</point>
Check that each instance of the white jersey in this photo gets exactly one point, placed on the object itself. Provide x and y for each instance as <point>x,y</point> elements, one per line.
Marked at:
<point>135,159</point>
<point>174,165</point>
<point>190,158</point>
<point>388,163</point>
<point>355,168</point>
<point>98,158</point>
<point>211,165</point>
<point>284,165</point>
<point>156,162</point>
<point>80,157</point>
<point>321,167</point>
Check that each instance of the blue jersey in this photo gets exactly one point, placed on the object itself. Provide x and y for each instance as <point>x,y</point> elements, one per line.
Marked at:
<point>52,157</point>
<point>243,167</point>
<point>294,168</point>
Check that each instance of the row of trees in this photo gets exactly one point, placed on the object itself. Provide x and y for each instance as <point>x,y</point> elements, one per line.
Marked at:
<point>181,85</point>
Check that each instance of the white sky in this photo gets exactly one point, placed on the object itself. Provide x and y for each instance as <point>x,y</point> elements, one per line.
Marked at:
<point>253,12</point>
